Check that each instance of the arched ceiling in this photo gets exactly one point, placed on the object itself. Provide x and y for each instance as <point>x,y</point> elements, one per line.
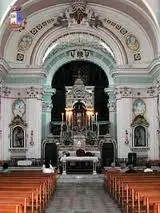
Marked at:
<point>124,31</point>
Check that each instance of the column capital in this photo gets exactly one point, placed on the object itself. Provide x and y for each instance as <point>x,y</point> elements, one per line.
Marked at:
<point>49,91</point>
<point>47,106</point>
<point>112,105</point>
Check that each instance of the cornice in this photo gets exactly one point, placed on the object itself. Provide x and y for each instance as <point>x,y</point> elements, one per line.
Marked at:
<point>154,67</point>
<point>25,72</point>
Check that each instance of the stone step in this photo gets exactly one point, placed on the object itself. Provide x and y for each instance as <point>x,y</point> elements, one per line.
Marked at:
<point>81,178</point>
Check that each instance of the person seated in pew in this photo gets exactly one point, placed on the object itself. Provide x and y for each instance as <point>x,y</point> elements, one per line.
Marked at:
<point>112,168</point>
<point>47,168</point>
<point>131,169</point>
<point>123,168</point>
<point>148,168</point>
<point>5,168</point>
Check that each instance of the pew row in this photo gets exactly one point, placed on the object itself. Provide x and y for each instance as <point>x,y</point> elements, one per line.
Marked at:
<point>136,192</point>
<point>26,191</point>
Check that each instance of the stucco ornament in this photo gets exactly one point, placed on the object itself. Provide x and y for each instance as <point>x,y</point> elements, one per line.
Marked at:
<point>25,43</point>
<point>132,42</point>
<point>139,107</point>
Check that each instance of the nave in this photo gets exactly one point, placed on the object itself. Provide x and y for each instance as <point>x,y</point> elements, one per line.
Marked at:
<point>81,194</point>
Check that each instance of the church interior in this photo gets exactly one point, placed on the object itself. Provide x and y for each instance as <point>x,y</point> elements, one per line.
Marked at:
<point>79,89</point>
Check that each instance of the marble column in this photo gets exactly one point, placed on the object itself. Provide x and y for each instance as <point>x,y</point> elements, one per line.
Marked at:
<point>46,111</point>
<point>112,111</point>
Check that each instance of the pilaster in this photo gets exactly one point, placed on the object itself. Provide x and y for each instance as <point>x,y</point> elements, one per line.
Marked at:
<point>46,111</point>
<point>112,111</point>
<point>34,119</point>
<point>124,119</point>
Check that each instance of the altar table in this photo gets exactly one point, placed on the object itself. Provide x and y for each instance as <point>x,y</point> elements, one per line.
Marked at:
<point>24,163</point>
<point>66,159</point>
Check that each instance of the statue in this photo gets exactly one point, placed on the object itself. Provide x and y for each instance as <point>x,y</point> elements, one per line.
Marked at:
<point>18,136</point>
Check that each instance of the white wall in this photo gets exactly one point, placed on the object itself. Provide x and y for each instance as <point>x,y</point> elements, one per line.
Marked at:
<point>124,120</point>
<point>151,113</point>
<point>6,118</point>
<point>34,120</point>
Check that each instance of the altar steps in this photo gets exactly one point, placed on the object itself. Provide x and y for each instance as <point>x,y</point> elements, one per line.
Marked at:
<point>81,178</point>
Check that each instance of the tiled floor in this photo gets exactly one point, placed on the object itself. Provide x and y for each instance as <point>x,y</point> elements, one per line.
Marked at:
<point>79,197</point>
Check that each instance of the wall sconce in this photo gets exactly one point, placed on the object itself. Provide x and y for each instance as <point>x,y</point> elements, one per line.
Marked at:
<point>126,137</point>
<point>31,138</point>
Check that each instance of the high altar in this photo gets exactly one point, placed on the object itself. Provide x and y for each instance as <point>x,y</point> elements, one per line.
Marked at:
<point>79,129</point>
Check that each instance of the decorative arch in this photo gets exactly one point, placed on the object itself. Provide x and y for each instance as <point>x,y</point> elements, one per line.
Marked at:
<point>137,11</point>
<point>62,58</point>
<point>52,35</point>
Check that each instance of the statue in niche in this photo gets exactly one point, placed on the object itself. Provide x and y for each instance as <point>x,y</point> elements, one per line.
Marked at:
<point>18,137</point>
<point>139,136</point>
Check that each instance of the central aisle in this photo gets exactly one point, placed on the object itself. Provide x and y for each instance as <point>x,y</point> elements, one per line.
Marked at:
<point>81,197</point>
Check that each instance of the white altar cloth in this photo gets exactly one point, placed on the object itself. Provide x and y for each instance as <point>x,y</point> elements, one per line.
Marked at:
<point>76,158</point>
<point>24,163</point>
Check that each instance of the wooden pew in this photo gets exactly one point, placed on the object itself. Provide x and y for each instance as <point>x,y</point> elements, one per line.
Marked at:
<point>131,189</point>
<point>35,188</point>
<point>10,208</point>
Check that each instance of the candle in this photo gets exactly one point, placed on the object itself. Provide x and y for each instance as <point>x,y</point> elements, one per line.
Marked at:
<point>96,118</point>
<point>62,117</point>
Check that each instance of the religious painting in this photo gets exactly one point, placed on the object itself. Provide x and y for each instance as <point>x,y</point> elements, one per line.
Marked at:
<point>139,107</point>
<point>140,138</point>
<point>18,137</point>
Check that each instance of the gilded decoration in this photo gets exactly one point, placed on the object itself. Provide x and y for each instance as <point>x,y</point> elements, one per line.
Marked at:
<point>17,120</point>
<point>140,120</point>
<point>132,42</point>
<point>25,43</point>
